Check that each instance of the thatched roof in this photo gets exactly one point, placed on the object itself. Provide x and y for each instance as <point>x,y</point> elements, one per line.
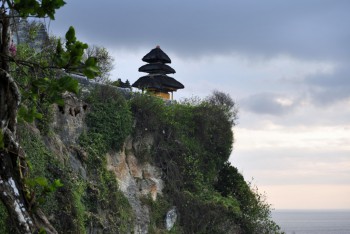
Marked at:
<point>160,82</point>
<point>157,68</point>
<point>156,55</point>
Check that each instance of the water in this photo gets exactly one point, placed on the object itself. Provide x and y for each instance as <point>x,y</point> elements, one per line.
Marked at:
<point>313,222</point>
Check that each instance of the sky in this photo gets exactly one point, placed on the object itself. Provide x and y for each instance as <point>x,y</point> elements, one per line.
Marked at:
<point>285,63</point>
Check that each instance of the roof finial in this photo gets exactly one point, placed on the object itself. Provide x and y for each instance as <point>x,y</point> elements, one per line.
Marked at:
<point>158,47</point>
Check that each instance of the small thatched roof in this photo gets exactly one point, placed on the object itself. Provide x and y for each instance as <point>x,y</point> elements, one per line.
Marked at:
<point>160,82</point>
<point>157,68</point>
<point>156,55</point>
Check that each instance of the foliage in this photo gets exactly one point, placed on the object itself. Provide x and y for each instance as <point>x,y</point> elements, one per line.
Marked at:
<point>104,62</point>
<point>109,117</point>
<point>148,112</point>
<point>121,84</point>
<point>206,140</point>
<point>193,141</point>
<point>36,8</point>
<point>255,216</point>
<point>109,123</point>
<point>70,58</point>
<point>45,181</point>
<point>41,82</point>
<point>42,185</point>
<point>198,216</point>
<point>226,104</point>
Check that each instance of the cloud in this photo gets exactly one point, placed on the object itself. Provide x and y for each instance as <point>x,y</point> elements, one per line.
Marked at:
<point>302,29</point>
<point>327,89</point>
<point>269,103</point>
<point>308,196</point>
<point>293,155</point>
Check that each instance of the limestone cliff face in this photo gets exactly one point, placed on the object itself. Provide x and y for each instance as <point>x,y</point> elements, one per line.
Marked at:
<point>136,179</point>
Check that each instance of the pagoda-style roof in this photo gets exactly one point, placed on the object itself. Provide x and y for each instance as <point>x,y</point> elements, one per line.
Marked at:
<point>159,82</point>
<point>156,55</point>
<point>157,68</point>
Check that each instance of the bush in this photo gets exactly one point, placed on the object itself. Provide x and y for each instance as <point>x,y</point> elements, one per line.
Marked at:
<point>256,214</point>
<point>148,112</point>
<point>109,117</point>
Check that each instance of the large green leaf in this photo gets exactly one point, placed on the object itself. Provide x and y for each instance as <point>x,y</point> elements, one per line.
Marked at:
<point>69,84</point>
<point>91,70</point>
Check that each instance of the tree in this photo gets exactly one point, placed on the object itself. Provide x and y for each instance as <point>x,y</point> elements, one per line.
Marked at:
<point>46,80</point>
<point>104,62</point>
<point>225,103</point>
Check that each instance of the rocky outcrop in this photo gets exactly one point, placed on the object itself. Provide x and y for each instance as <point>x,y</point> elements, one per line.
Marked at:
<point>136,180</point>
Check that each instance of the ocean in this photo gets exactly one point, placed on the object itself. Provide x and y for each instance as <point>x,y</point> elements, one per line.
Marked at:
<point>313,221</point>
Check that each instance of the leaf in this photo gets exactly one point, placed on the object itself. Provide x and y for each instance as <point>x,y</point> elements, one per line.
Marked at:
<point>91,69</point>
<point>69,84</point>
<point>55,185</point>
<point>42,181</point>
<point>41,84</point>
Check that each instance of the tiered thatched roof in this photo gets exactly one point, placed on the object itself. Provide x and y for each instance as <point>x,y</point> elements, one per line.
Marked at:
<point>157,69</point>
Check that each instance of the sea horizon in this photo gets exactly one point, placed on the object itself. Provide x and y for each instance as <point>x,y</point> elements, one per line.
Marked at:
<point>312,221</point>
<point>312,209</point>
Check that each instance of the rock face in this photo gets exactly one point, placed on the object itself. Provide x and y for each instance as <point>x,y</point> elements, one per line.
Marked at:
<point>69,120</point>
<point>136,180</point>
<point>68,123</point>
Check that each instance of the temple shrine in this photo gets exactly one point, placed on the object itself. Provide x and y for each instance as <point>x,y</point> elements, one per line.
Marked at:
<point>157,82</point>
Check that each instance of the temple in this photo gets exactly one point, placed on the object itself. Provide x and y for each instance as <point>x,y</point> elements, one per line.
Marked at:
<point>157,82</point>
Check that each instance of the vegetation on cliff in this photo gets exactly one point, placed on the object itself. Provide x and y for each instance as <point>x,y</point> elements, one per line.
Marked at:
<point>25,85</point>
<point>193,141</point>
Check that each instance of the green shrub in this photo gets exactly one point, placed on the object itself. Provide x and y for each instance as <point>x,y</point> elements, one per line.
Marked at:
<point>109,116</point>
<point>148,112</point>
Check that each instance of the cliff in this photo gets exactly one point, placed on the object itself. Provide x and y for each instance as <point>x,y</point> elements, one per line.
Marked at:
<point>110,162</point>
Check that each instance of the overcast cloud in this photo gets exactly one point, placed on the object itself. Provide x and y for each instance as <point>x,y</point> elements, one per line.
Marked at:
<point>284,62</point>
<point>308,29</point>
